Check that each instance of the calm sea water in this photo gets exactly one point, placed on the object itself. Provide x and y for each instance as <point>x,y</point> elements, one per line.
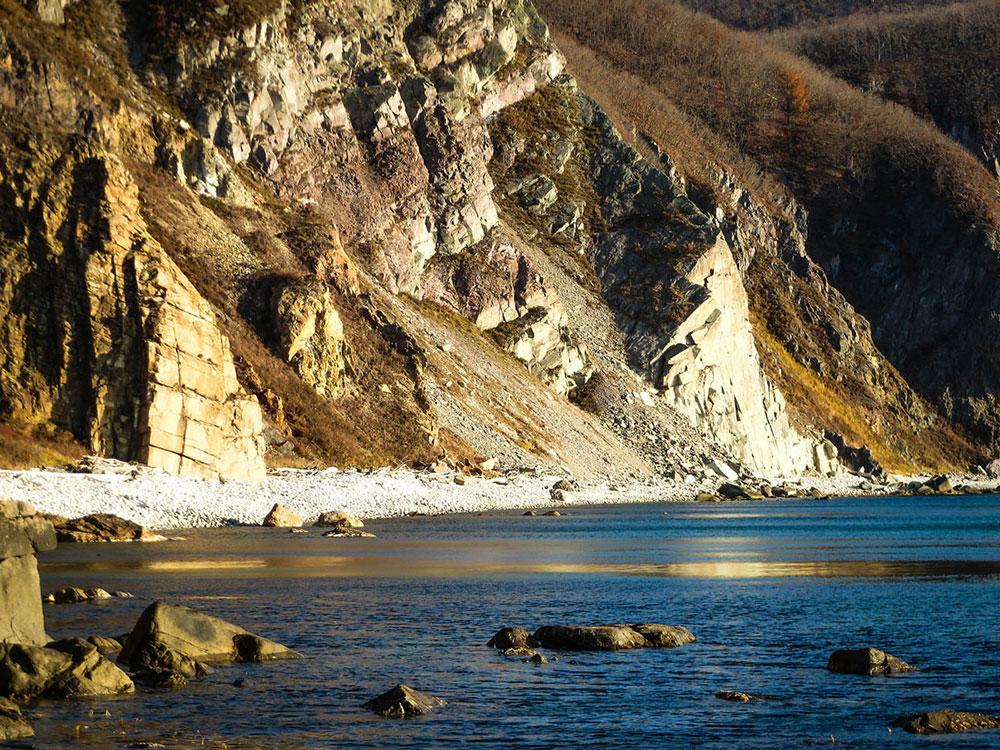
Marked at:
<point>769,588</point>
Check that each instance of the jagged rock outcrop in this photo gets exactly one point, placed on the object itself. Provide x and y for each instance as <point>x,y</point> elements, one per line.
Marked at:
<point>22,534</point>
<point>311,335</point>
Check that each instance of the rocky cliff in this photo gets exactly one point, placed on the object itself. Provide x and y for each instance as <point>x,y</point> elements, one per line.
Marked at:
<point>361,233</point>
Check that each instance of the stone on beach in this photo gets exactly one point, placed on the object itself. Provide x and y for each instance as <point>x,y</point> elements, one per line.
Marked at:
<point>339,518</point>
<point>611,637</point>
<point>403,701</point>
<point>104,527</point>
<point>196,635</point>
<point>282,518</point>
<point>867,661</point>
<point>947,721</point>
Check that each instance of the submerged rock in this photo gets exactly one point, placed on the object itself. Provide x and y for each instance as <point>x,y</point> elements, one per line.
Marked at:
<point>403,701</point>
<point>347,531</point>
<point>867,661</point>
<point>947,721</point>
<point>196,635</point>
<point>282,517</point>
<point>507,638</point>
<point>735,696</point>
<point>12,724</point>
<point>611,637</point>
<point>73,668</point>
<point>104,527</point>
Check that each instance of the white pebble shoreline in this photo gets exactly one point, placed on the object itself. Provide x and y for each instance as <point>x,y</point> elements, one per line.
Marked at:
<point>159,501</point>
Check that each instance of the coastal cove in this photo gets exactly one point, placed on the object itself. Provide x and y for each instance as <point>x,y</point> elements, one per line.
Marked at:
<point>769,588</point>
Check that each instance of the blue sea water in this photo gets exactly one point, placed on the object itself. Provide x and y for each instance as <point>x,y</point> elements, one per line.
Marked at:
<point>769,589</point>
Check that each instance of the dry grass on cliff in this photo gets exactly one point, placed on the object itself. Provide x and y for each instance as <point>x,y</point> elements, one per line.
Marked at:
<point>22,448</point>
<point>772,14</point>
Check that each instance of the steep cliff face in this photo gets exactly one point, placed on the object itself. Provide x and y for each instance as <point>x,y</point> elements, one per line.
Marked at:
<point>361,233</point>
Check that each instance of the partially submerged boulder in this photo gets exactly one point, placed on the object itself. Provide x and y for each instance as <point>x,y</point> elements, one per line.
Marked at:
<point>12,724</point>
<point>403,701</point>
<point>104,527</point>
<point>611,637</point>
<point>347,531</point>
<point>196,635</point>
<point>947,721</point>
<point>282,517</point>
<point>867,661</point>
<point>735,696</point>
<point>74,595</point>
<point>159,666</point>
<point>507,638</point>
<point>70,669</point>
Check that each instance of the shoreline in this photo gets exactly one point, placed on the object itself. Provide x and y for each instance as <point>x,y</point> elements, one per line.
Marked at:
<point>161,501</point>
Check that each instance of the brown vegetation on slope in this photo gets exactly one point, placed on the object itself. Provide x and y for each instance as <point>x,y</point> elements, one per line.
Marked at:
<point>773,14</point>
<point>943,63</point>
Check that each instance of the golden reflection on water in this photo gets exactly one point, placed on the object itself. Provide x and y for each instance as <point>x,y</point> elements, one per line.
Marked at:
<point>404,567</point>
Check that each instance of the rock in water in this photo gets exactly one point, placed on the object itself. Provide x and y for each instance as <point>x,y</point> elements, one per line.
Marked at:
<point>22,534</point>
<point>506,638</point>
<point>12,723</point>
<point>739,697</point>
<point>946,721</point>
<point>403,701</point>
<point>104,527</point>
<point>611,637</point>
<point>866,661</point>
<point>30,671</point>
<point>339,518</point>
<point>282,518</point>
<point>199,636</point>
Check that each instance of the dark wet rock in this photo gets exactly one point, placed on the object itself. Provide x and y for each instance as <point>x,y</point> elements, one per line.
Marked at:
<point>947,721</point>
<point>403,701</point>
<point>732,491</point>
<point>552,513</point>
<point>735,696</point>
<point>240,682</point>
<point>866,661</point>
<point>104,527</point>
<point>12,724</point>
<point>520,651</point>
<point>611,637</point>
<point>74,669</point>
<point>196,635</point>
<point>529,513</point>
<point>347,531</point>
<point>536,658</point>
<point>507,638</point>
<point>154,660</point>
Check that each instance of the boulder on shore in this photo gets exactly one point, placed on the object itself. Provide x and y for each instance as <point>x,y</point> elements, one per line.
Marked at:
<point>12,724</point>
<point>507,638</point>
<point>22,534</point>
<point>196,635</point>
<point>947,721</point>
<point>339,518</point>
<point>867,661</point>
<point>282,517</point>
<point>104,527</point>
<point>611,637</point>
<point>70,669</point>
<point>403,701</point>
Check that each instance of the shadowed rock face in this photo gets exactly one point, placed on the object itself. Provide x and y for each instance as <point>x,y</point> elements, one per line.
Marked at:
<point>403,701</point>
<point>12,723</point>
<point>867,661</point>
<point>947,721</point>
<point>103,527</point>
<point>29,671</point>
